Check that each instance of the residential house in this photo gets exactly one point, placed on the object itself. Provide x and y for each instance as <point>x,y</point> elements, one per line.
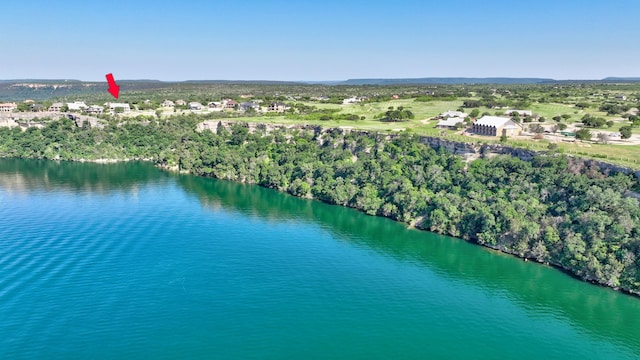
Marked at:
<point>229,104</point>
<point>279,107</point>
<point>194,105</point>
<point>36,107</point>
<point>77,106</point>
<point>621,97</point>
<point>94,110</point>
<point>450,122</point>
<point>8,107</point>
<point>495,126</point>
<point>353,100</point>
<point>519,112</point>
<point>118,107</point>
<point>181,102</point>
<point>450,113</point>
<point>167,103</point>
<point>247,106</point>
<point>214,105</point>
<point>56,107</point>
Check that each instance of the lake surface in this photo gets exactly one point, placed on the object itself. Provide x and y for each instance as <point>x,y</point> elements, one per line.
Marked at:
<point>126,261</point>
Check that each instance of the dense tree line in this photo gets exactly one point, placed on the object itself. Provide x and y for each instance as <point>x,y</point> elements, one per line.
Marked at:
<point>553,209</point>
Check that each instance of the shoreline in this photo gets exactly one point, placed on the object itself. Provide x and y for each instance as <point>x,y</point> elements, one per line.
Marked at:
<point>414,223</point>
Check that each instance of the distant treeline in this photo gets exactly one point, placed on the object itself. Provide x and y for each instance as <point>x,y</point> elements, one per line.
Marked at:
<point>553,209</point>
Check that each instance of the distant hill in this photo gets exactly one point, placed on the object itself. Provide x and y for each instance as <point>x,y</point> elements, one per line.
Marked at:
<point>252,82</point>
<point>45,89</point>
<point>37,90</point>
<point>624,79</point>
<point>446,81</point>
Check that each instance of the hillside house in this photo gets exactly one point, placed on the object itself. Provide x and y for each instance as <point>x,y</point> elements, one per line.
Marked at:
<point>229,104</point>
<point>8,107</point>
<point>94,110</point>
<point>495,125</point>
<point>247,106</point>
<point>353,100</point>
<point>77,106</point>
<point>450,122</point>
<point>194,105</point>
<point>118,107</point>
<point>279,107</point>
<point>621,97</point>
<point>36,107</point>
<point>56,107</point>
<point>168,103</point>
<point>181,102</point>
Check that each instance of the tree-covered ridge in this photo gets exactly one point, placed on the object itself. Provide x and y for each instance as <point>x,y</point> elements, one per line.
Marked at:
<point>552,209</point>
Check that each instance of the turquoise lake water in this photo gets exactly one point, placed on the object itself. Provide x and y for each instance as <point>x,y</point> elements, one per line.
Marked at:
<point>126,261</point>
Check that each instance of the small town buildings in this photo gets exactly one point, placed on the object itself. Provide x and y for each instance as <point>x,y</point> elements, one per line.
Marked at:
<point>450,113</point>
<point>621,97</point>
<point>8,107</point>
<point>118,107</point>
<point>519,112</point>
<point>194,105</point>
<point>279,107</point>
<point>77,106</point>
<point>181,102</point>
<point>495,126</point>
<point>168,103</point>
<point>450,122</point>
<point>214,105</point>
<point>56,107</point>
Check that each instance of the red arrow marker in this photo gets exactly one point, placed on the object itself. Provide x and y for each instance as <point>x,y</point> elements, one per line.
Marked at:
<point>113,88</point>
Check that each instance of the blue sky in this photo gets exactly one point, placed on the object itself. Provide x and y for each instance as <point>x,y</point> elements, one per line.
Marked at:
<point>319,40</point>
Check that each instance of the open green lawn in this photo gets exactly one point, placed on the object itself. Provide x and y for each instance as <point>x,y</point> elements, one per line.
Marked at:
<point>422,110</point>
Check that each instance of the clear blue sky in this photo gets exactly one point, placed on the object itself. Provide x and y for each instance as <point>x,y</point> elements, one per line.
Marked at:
<point>319,40</point>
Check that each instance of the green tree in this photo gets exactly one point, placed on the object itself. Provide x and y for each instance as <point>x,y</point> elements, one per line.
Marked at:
<point>625,132</point>
<point>583,134</point>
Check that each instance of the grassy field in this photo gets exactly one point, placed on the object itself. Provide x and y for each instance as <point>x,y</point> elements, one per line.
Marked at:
<point>422,110</point>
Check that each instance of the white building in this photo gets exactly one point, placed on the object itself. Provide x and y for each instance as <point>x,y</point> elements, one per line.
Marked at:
<point>450,122</point>
<point>8,107</point>
<point>94,110</point>
<point>495,126</point>
<point>352,100</point>
<point>168,103</point>
<point>195,106</point>
<point>113,107</point>
<point>77,106</point>
<point>56,107</point>
<point>450,113</point>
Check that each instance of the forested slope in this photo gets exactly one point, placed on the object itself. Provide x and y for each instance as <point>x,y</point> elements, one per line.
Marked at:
<point>553,209</point>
